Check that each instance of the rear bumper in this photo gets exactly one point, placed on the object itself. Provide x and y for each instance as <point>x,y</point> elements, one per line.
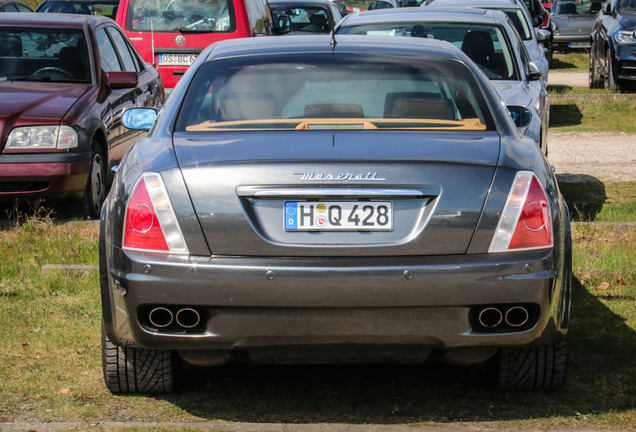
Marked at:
<point>325,302</point>
<point>571,42</point>
<point>48,175</point>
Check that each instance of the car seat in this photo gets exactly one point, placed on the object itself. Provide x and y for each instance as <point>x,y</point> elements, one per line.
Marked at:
<point>317,23</point>
<point>10,45</point>
<point>479,47</point>
<point>415,105</point>
<point>596,7</point>
<point>73,59</point>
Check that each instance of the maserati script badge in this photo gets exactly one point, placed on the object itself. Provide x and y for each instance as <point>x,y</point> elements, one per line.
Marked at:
<point>180,40</point>
<point>310,176</point>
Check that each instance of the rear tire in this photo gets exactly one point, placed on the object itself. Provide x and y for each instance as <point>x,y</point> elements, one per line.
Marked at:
<point>595,79</point>
<point>136,370</point>
<point>534,368</point>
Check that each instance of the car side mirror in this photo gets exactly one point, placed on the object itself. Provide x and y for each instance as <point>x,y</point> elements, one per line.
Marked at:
<point>537,21</point>
<point>536,70</point>
<point>122,80</point>
<point>521,116</point>
<point>607,9</point>
<point>139,118</point>
<point>543,35</point>
<point>283,24</point>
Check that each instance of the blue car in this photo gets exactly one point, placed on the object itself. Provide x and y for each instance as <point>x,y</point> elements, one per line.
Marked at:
<point>613,52</point>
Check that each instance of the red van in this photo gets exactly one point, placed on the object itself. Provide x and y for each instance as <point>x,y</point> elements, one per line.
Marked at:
<point>171,33</point>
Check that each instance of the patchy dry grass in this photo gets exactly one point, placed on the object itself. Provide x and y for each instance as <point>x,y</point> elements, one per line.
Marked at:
<point>600,202</point>
<point>51,367</point>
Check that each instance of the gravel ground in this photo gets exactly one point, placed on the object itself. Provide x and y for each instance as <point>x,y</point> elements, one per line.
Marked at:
<point>603,156</point>
<point>572,79</point>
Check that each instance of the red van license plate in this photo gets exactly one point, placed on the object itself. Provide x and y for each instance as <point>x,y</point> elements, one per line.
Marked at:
<point>176,59</point>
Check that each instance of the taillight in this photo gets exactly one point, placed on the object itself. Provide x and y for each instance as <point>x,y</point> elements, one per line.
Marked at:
<point>525,222</point>
<point>151,224</point>
<point>546,21</point>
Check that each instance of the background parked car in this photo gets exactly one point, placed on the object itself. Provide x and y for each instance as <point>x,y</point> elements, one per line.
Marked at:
<point>84,7</point>
<point>572,23</point>
<point>13,6</point>
<point>612,56</point>
<point>488,37</point>
<point>537,42</point>
<point>307,16</point>
<point>65,81</point>
<point>172,33</point>
<point>283,210</point>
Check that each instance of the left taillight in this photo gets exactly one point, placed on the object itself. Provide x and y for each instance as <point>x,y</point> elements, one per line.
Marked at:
<point>151,224</point>
<point>526,221</point>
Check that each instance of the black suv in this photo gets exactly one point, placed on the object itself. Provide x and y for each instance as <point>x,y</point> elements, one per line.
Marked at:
<point>612,56</point>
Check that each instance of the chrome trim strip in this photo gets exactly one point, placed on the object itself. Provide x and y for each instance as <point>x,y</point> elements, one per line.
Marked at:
<point>256,192</point>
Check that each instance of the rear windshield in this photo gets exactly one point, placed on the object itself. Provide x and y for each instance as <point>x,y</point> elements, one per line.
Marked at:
<point>43,54</point>
<point>323,91</point>
<point>576,8</point>
<point>81,7</point>
<point>484,44</point>
<point>194,16</point>
<point>519,20</point>
<point>304,19</point>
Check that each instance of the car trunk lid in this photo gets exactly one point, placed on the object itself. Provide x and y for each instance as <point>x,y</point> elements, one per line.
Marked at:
<point>433,184</point>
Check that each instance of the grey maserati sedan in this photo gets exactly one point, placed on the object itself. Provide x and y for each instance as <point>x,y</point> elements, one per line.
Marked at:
<point>330,200</point>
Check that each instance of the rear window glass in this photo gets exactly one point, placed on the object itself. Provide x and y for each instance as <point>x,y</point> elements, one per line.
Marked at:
<point>82,7</point>
<point>576,8</point>
<point>327,92</point>
<point>304,19</point>
<point>519,20</point>
<point>193,16</point>
<point>44,54</point>
<point>484,44</point>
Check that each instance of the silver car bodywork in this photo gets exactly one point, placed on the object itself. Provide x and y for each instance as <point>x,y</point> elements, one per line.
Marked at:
<point>268,295</point>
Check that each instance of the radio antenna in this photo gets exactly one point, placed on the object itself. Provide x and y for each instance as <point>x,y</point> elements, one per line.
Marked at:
<point>333,42</point>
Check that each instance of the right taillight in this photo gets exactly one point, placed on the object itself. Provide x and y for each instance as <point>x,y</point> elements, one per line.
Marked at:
<point>525,222</point>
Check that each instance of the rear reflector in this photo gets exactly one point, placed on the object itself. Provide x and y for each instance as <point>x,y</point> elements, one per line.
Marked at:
<point>525,222</point>
<point>151,224</point>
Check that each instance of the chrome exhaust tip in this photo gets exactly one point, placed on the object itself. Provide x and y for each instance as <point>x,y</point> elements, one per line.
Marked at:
<point>517,316</point>
<point>160,317</point>
<point>490,317</point>
<point>188,318</point>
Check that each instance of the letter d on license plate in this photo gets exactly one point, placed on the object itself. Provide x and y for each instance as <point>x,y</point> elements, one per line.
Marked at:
<point>339,216</point>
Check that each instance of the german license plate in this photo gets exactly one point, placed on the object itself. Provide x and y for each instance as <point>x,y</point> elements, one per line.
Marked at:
<point>339,216</point>
<point>176,59</point>
<point>579,45</point>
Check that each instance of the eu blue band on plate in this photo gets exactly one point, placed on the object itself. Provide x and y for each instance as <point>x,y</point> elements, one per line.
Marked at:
<point>291,215</point>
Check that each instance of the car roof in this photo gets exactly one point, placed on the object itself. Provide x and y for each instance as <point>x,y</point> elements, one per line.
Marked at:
<point>322,3</point>
<point>496,4</point>
<point>9,2</point>
<point>471,15</point>
<point>322,44</point>
<point>18,19</point>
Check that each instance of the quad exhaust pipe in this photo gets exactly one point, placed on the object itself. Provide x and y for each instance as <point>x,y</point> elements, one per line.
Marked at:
<point>500,317</point>
<point>162,317</point>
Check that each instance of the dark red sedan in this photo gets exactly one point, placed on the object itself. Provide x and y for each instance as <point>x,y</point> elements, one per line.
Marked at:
<point>65,81</point>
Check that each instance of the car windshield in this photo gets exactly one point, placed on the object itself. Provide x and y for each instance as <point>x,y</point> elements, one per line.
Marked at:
<point>304,19</point>
<point>180,15</point>
<point>43,54</point>
<point>484,44</point>
<point>627,6</point>
<point>326,92</point>
<point>108,9</point>
<point>576,8</point>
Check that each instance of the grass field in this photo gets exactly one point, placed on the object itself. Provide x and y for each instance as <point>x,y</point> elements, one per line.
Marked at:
<point>570,62</point>
<point>51,366</point>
